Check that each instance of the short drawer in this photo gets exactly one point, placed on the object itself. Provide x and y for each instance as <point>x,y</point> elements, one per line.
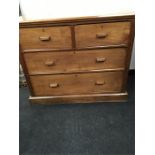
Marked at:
<point>62,62</point>
<point>46,38</point>
<point>86,83</point>
<point>103,34</point>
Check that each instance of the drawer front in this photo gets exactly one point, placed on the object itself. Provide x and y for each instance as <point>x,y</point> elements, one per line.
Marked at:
<point>86,83</point>
<point>102,34</point>
<point>46,38</point>
<point>61,62</point>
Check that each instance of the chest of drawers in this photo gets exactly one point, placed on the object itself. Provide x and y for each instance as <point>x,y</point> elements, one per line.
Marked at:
<point>78,60</point>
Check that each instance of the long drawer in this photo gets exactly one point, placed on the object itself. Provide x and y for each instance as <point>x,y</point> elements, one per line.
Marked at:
<point>62,62</point>
<point>46,38</point>
<point>85,83</point>
<point>103,34</point>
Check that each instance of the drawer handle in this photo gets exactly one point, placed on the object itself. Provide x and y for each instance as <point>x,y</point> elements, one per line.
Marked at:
<point>99,82</point>
<point>45,38</point>
<point>99,60</point>
<point>101,35</point>
<point>54,85</point>
<point>49,63</point>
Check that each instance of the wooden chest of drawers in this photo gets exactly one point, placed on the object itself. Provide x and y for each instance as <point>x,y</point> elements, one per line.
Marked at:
<point>78,60</point>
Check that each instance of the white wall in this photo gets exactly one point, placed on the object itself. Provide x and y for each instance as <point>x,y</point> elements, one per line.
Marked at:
<point>43,9</point>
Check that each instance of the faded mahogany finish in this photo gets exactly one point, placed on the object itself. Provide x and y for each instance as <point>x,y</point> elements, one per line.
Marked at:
<point>77,60</point>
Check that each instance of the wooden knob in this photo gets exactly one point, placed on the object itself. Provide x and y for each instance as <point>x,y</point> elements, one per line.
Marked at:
<point>49,63</point>
<point>98,60</point>
<point>45,38</point>
<point>54,85</point>
<point>99,82</point>
<point>101,35</point>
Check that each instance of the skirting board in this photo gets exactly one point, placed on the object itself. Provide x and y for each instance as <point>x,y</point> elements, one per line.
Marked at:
<point>90,98</point>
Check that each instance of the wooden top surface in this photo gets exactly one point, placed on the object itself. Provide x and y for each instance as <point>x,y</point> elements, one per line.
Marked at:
<point>76,20</point>
<point>22,20</point>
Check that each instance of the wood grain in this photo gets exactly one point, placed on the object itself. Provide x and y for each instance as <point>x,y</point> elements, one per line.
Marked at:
<point>129,53</point>
<point>46,38</point>
<point>24,67</point>
<point>85,98</point>
<point>77,83</point>
<point>75,21</point>
<point>75,61</point>
<point>102,34</point>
